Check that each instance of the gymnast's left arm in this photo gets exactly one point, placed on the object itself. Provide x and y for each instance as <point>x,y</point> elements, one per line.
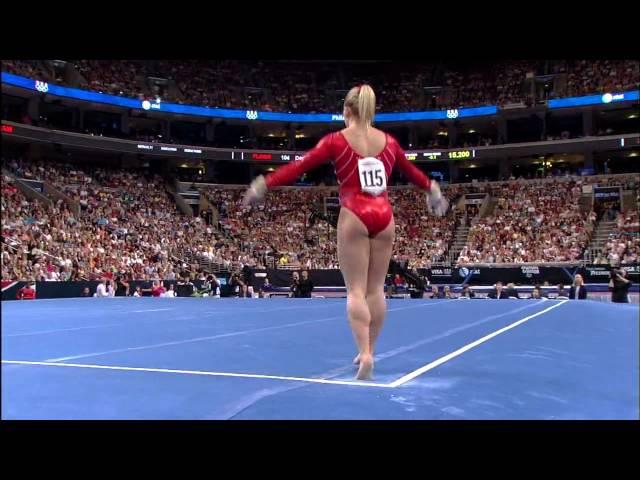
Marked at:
<point>286,174</point>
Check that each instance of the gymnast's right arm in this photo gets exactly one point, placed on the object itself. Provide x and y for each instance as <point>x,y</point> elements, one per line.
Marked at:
<point>413,173</point>
<point>286,174</point>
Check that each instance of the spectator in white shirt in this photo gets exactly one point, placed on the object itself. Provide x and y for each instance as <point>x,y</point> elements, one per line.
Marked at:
<point>53,275</point>
<point>214,284</point>
<point>170,293</point>
<point>102,291</point>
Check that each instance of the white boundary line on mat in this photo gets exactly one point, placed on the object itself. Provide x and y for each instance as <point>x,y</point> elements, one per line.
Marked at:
<point>410,376</point>
<point>42,332</point>
<point>152,310</point>
<point>200,372</point>
<point>396,383</point>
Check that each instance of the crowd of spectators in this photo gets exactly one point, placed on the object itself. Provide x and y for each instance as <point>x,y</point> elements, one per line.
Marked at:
<point>126,223</point>
<point>34,237</point>
<point>541,221</point>
<point>278,230</point>
<point>587,76</point>
<point>421,239</point>
<point>112,77</point>
<point>21,67</point>
<point>320,87</point>
<point>623,244</point>
<point>531,222</point>
<point>499,84</point>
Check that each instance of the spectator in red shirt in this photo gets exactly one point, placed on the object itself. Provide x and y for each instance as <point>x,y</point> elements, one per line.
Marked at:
<point>27,292</point>
<point>158,289</point>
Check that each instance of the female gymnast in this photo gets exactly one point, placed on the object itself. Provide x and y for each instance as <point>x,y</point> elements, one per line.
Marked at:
<point>363,158</point>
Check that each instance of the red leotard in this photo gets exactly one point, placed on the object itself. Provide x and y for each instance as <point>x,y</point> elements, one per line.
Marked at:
<point>374,212</point>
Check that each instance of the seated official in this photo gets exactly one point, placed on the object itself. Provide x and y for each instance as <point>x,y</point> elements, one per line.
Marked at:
<point>499,292</point>
<point>435,292</point>
<point>536,293</point>
<point>511,291</point>
<point>467,292</point>
<point>562,293</point>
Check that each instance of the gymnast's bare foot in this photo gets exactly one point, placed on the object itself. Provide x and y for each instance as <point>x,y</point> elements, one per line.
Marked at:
<point>356,361</point>
<point>366,367</point>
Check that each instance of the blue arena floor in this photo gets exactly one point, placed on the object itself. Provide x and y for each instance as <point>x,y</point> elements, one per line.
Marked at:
<point>194,358</point>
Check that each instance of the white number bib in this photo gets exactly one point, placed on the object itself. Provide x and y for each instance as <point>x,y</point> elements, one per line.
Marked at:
<point>373,177</point>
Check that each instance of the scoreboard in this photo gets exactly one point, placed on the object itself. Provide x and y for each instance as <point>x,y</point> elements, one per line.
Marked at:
<point>441,155</point>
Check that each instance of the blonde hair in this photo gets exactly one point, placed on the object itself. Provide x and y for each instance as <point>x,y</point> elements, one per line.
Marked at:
<point>362,102</point>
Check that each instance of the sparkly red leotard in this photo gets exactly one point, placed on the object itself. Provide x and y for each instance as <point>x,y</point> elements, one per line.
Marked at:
<point>374,211</point>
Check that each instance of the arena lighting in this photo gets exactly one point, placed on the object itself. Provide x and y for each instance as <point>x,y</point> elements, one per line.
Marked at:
<point>137,104</point>
<point>134,103</point>
<point>605,98</point>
